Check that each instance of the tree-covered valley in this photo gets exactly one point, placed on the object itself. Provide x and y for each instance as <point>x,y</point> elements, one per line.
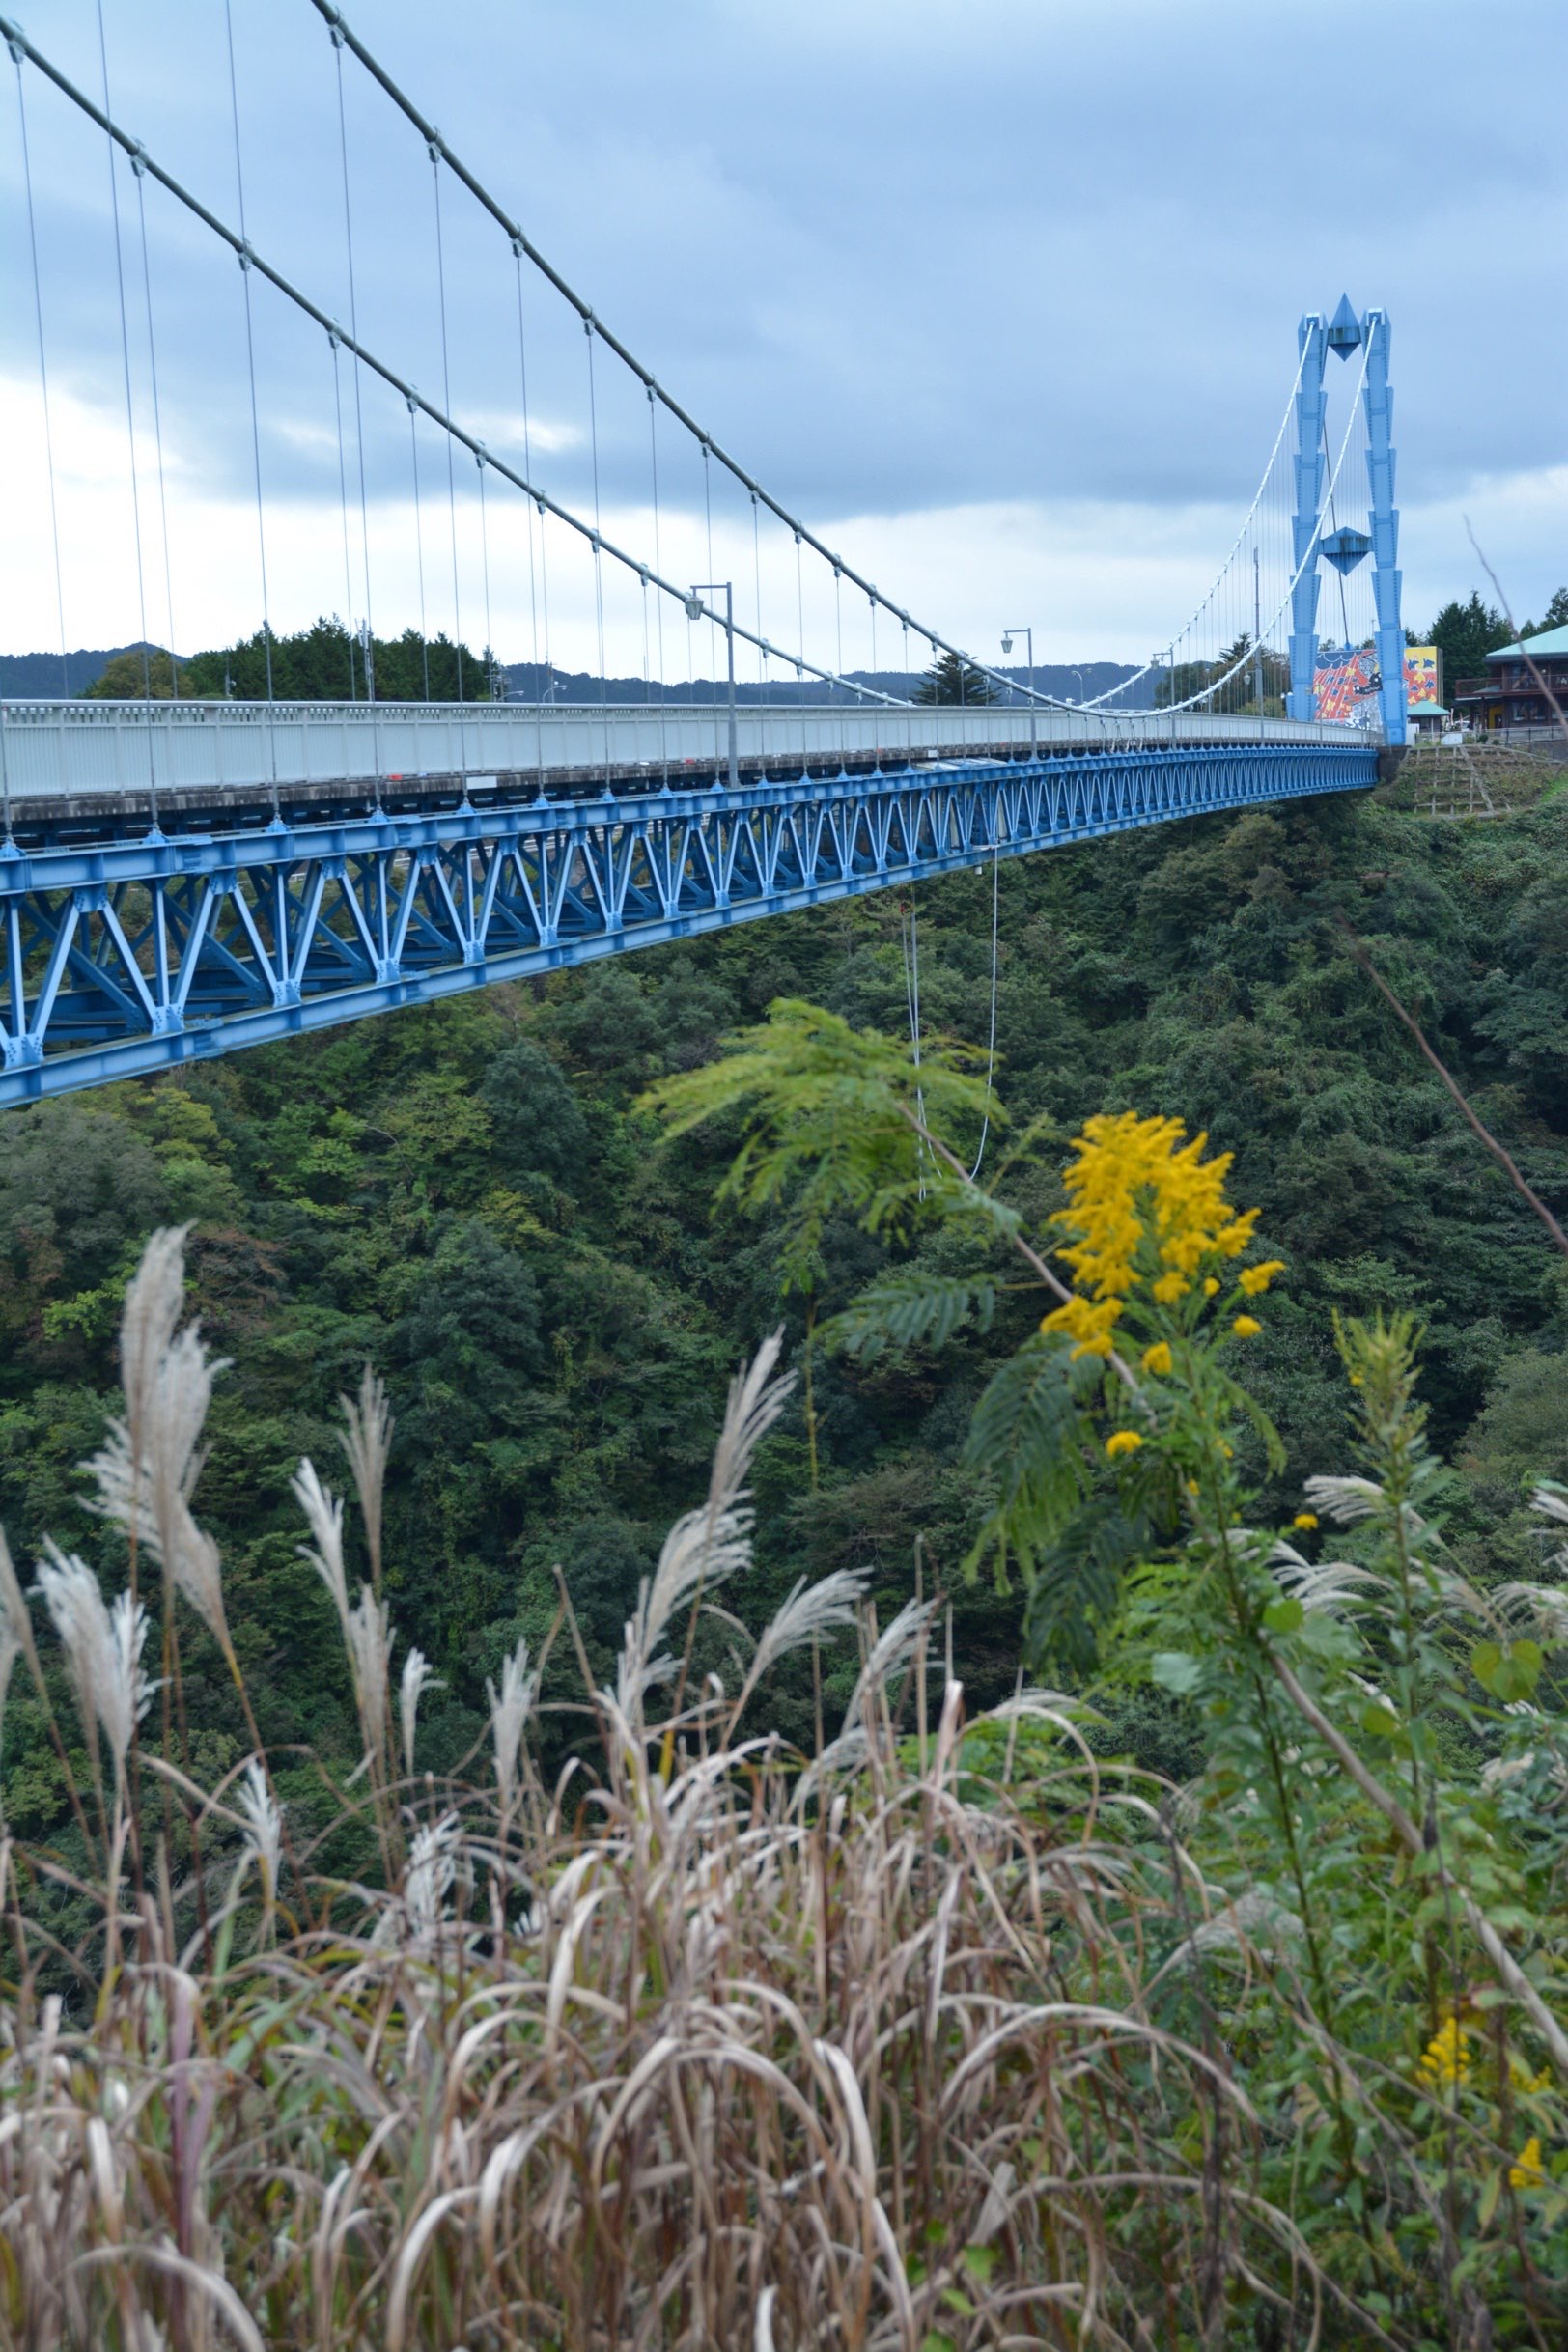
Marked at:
<point>472,1198</point>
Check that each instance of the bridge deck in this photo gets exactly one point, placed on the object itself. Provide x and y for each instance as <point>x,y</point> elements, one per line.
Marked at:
<point>127,956</point>
<point>68,760</point>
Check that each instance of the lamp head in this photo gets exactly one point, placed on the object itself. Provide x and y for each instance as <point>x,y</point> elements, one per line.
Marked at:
<point>693,608</point>
<point>1007,645</point>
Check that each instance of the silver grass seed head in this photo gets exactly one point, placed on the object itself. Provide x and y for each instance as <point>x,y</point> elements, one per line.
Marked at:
<point>418,1677</point>
<point>103,1647</point>
<point>154,1298</point>
<point>324,1514</point>
<point>14,1609</point>
<point>11,1649</point>
<point>366,1437</point>
<point>368,1632</point>
<point>263,1819</point>
<point>510,1709</point>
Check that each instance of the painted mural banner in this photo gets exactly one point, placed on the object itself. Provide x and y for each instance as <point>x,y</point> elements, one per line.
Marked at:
<point>1346,684</point>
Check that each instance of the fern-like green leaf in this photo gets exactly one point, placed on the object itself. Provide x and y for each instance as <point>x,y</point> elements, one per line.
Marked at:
<point>909,1310</point>
<point>1078,1579</point>
<point>1031,1432</point>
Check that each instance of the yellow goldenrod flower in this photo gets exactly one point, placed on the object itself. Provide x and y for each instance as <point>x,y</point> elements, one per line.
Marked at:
<point>1529,2172</point>
<point>1123,1441</point>
<point>1255,1279</point>
<point>1304,1519</point>
<point>1135,1182</point>
<point>1247,1327</point>
<point>1445,2060</point>
<point>1157,1359</point>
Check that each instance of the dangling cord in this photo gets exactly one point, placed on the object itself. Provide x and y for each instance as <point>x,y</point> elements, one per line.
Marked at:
<point>991,1041</point>
<point>451,471</point>
<point>756,574</point>
<point>484,561</point>
<point>528,475</point>
<point>255,420</point>
<point>876,710</point>
<point>713,640</point>
<point>343,510</point>
<point>43,382</point>
<point>130,435</point>
<point>419,540</point>
<point>659,567</point>
<point>138,164</point>
<point>544,603</point>
<point>599,559</point>
<point>912,984</point>
<point>360,433</point>
<point>838,664</point>
<point>800,661</point>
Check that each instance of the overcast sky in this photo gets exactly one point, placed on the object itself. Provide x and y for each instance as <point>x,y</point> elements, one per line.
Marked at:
<point>1002,297</point>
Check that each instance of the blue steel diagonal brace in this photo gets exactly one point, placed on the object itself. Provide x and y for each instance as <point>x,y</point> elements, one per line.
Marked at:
<point>1384,527</point>
<point>249,937</point>
<point>1304,600</point>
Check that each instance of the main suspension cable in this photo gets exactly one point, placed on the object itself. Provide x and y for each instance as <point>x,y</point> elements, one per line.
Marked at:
<point>244,252</point>
<point>16,54</point>
<point>256,262</point>
<point>130,435</point>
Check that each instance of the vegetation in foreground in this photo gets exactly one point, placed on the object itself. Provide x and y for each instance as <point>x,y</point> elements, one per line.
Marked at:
<point>939,2030</point>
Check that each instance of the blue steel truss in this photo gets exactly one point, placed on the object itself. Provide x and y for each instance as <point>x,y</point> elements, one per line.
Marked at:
<point>125,958</point>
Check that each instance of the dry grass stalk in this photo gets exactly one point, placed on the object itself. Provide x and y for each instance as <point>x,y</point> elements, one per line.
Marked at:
<point>861,2050</point>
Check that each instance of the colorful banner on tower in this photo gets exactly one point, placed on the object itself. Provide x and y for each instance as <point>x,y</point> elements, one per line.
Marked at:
<point>1345,684</point>
<point>1423,674</point>
<point>1345,687</point>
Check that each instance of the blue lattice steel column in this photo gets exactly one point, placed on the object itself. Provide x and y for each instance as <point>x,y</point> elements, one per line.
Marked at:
<point>1312,343</point>
<point>1384,527</point>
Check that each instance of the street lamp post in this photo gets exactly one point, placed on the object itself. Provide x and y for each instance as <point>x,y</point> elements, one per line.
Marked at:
<point>1026,633</point>
<point>695,608</point>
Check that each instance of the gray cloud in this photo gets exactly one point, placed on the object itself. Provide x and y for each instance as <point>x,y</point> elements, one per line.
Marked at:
<point>902,259</point>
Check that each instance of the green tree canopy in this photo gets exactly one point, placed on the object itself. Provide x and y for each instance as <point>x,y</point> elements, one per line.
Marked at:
<point>141,670</point>
<point>326,663</point>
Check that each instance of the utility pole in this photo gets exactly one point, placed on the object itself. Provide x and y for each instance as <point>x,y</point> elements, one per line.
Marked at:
<point>1034,709</point>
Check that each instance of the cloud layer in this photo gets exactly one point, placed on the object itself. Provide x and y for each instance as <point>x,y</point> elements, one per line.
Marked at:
<point>1003,299</point>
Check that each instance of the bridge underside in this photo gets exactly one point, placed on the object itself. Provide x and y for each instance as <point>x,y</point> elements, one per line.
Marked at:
<point>125,957</point>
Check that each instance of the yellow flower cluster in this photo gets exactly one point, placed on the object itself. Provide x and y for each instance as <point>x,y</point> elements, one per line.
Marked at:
<point>1445,2060</point>
<point>1529,2172</point>
<point>1133,1176</point>
<point>1122,1441</point>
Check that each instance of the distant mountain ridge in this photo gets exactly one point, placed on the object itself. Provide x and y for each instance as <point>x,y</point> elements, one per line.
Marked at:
<point>528,681</point>
<point>28,677</point>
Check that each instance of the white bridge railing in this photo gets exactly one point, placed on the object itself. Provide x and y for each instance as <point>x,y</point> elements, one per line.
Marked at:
<point>53,750</point>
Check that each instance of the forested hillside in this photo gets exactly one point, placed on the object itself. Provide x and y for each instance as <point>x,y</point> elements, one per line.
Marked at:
<point>472,1198</point>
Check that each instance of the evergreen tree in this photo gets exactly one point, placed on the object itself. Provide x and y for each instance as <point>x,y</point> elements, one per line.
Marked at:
<point>1465,634</point>
<point>952,679</point>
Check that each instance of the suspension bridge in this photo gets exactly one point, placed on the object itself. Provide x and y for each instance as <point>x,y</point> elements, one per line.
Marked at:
<point>183,878</point>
